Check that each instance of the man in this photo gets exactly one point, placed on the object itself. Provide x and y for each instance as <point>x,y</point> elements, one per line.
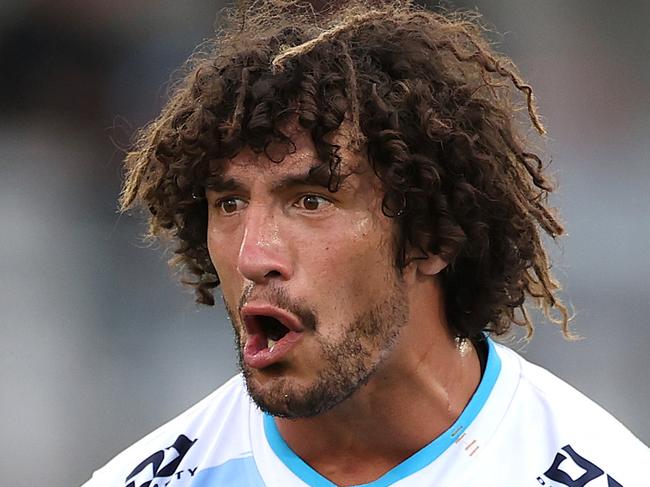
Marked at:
<point>357,186</point>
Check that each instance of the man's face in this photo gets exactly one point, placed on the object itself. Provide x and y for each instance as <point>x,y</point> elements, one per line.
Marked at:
<point>307,276</point>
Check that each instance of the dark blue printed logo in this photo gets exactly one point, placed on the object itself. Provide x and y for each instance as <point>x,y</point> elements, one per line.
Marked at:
<point>560,476</point>
<point>161,465</point>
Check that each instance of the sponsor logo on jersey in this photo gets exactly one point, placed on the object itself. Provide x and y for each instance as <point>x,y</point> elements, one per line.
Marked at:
<point>162,465</point>
<point>571,463</point>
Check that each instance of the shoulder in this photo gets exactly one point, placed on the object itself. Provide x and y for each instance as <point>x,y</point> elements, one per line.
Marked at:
<point>552,420</point>
<point>563,404</point>
<point>213,425</point>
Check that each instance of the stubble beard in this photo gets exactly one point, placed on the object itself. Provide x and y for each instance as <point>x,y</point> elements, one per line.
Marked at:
<point>346,364</point>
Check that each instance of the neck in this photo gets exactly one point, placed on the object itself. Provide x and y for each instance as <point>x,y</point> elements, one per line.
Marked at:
<point>414,397</point>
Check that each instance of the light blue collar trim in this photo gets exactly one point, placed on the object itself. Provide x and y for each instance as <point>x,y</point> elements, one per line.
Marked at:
<point>415,462</point>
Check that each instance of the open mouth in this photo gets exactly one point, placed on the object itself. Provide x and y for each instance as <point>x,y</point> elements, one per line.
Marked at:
<point>273,329</point>
<point>271,334</point>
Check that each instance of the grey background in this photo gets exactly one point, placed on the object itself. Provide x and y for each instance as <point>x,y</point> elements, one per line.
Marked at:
<point>99,345</point>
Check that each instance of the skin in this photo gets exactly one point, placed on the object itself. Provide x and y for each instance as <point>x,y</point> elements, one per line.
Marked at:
<point>333,253</point>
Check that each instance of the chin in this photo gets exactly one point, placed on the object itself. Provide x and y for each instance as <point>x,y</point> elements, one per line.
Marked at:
<point>280,395</point>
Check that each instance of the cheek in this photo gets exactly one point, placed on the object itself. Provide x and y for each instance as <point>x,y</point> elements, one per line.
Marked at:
<point>354,264</point>
<point>223,254</point>
<point>370,243</point>
<point>214,245</point>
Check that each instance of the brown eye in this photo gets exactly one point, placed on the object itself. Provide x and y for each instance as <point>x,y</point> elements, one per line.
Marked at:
<point>230,205</point>
<point>312,202</point>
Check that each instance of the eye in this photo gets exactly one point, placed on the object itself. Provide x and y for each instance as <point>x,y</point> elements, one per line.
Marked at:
<point>230,205</point>
<point>312,202</point>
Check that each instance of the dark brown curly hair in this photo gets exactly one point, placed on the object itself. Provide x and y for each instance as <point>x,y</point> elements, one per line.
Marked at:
<point>430,103</point>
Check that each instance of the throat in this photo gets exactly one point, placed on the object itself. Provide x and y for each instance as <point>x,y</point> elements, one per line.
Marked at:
<point>391,418</point>
<point>357,449</point>
<point>348,470</point>
<point>346,460</point>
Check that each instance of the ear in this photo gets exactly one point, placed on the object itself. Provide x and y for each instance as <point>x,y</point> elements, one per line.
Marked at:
<point>430,266</point>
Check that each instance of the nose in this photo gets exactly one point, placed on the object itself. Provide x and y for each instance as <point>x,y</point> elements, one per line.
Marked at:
<point>263,253</point>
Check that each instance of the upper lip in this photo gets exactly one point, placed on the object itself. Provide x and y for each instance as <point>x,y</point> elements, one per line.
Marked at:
<point>250,311</point>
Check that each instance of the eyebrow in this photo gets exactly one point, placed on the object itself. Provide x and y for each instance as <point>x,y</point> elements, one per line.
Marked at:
<point>215,182</point>
<point>316,175</point>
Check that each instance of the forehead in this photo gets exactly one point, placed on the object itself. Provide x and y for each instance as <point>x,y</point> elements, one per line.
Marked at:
<point>298,155</point>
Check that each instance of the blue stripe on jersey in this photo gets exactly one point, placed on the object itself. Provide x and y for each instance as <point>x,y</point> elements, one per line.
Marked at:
<point>241,472</point>
<point>415,462</point>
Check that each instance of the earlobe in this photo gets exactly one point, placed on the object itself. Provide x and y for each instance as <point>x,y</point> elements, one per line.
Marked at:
<point>430,266</point>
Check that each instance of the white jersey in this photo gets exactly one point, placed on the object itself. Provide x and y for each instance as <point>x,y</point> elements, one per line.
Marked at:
<point>523,427</point>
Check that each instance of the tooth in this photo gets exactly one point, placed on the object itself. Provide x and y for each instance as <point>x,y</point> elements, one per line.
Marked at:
<point>271,344</point>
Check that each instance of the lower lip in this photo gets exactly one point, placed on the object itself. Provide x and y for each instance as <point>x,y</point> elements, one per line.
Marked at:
<point>259,359</point>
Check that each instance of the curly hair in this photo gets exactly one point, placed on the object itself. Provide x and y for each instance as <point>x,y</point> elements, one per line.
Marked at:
<point>431,104</point>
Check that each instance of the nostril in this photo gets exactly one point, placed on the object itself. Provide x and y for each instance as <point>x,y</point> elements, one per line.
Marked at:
<point>272,274</point>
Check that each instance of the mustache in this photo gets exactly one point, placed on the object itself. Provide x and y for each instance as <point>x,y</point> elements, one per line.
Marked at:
<point>279,297</point>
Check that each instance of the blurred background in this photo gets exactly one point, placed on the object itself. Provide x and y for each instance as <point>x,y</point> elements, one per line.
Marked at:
<point>98,343</point>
